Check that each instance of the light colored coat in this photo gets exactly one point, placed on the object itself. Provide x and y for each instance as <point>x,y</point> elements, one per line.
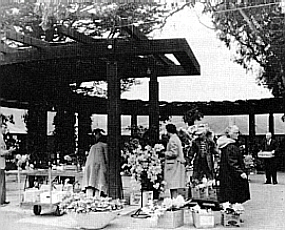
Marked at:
<point>174,170</point>
<point>2,149</point>
<point>96,168</point>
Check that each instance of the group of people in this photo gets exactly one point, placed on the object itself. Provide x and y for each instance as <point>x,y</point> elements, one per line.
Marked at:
<point>232,173</point>
<point>232,176</point>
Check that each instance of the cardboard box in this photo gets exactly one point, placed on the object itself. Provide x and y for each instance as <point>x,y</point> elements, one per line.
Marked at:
<point>203,219</point>
<point>213,194</point>
<point>199,193</point>
<point>265,154</point>
<point>231,219</point>
<point>135,198</point>
<point>56,197</point>
<point>31,195</point>
<point>171,219</point>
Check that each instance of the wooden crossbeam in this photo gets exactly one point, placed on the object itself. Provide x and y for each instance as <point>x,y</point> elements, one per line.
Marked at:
<point>107,48</point>
<point>75,35</point>
<point>138,35</point>
<point>15,36</point>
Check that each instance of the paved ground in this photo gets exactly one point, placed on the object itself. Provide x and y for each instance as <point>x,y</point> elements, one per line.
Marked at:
<point>264,211</point>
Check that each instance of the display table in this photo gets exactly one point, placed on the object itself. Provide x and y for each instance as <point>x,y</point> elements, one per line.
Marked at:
<point>43,173</point>
<point>43,179</point>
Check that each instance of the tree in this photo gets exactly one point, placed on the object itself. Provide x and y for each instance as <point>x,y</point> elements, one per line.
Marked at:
<point>192,115</point>
<point>256,30</point>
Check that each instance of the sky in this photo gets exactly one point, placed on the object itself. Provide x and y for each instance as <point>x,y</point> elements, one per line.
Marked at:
<point>220,79</point>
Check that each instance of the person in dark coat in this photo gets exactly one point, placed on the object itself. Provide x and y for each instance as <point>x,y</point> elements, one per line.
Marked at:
<point>203,151</point>
<point>270,164</point>
<point>233,179</point>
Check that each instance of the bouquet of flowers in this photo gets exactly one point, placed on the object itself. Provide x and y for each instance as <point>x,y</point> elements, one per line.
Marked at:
<point>21,159</point>
<point>146,168</point>
<point>233,208</point>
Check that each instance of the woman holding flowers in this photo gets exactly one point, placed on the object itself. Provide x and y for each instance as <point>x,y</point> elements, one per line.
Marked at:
<point>174,170</point>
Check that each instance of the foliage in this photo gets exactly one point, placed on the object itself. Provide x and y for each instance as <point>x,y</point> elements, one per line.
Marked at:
<point>192,115</point>
<point>6,118</point>
<point>41,19</point>
<point>255,29</point>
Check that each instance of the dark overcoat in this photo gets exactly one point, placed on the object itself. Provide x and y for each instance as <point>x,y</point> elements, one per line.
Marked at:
<point>234,188</point>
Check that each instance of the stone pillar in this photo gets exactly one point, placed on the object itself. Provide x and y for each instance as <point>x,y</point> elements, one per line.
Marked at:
<point>114,131</point>
<point>271,123</point>
<point>153,104</point>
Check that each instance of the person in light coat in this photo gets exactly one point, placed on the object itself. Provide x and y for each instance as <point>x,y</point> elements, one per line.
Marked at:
<point>174,170</point>
<point>94,179</point>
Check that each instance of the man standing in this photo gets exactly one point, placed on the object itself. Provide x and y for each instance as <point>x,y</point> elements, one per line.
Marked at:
<point>3,153</point>
<point>270,164</point>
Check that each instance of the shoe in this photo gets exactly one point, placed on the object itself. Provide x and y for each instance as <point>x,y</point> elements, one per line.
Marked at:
<point>6,202</point>
<point>275,182</point>
<point>267,182</point>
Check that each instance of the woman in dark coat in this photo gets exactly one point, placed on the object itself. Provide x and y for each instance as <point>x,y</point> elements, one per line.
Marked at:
<point>233,178</point>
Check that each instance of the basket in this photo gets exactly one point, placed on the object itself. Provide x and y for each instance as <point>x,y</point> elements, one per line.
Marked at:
<point>93,220</point>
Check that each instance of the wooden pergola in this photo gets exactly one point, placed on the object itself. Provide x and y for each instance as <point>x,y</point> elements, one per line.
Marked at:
<point>38,76</point>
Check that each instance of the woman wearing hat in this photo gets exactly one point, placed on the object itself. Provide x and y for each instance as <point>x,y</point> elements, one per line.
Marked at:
<point>203,151</point>
<point>94,177</point>
<point>174,170</point>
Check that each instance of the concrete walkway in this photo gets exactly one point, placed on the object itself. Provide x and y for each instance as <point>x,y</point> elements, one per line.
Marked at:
<point>264,211</point>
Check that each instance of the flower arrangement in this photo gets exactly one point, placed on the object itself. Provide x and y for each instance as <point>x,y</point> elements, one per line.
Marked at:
<point>80,203</point>
<point>236,208</point>
<point>168,204</point>
<point>145,167</point>
<point>21,159</point>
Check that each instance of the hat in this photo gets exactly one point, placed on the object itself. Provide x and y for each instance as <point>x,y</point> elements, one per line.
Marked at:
<point>200,130</point>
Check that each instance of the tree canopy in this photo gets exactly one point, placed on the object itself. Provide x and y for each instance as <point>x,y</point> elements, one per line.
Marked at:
<point>41,19</point>
<point>256,30</point>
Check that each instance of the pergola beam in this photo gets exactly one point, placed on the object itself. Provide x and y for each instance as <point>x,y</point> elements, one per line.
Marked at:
<point>30,41</point>
<point>105,49</point>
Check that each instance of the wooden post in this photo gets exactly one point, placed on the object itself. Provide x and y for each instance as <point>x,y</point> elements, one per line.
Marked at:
<point>134,123</point>
<point>84,127</point>
<point>154,106</point>
<point>114,131</point>
<point>271,123</point>
<point>251,127</point>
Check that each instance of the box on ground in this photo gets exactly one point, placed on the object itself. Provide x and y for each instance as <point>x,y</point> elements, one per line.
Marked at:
<point>199,193</point>
<point>231,219</point>
<point>203,219</point>
<point>184,192</point>
<point>54,197</point>
<point>214,194</point>
<point>135,198</point>
<point>171,219</point>
<point>31,195</point>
